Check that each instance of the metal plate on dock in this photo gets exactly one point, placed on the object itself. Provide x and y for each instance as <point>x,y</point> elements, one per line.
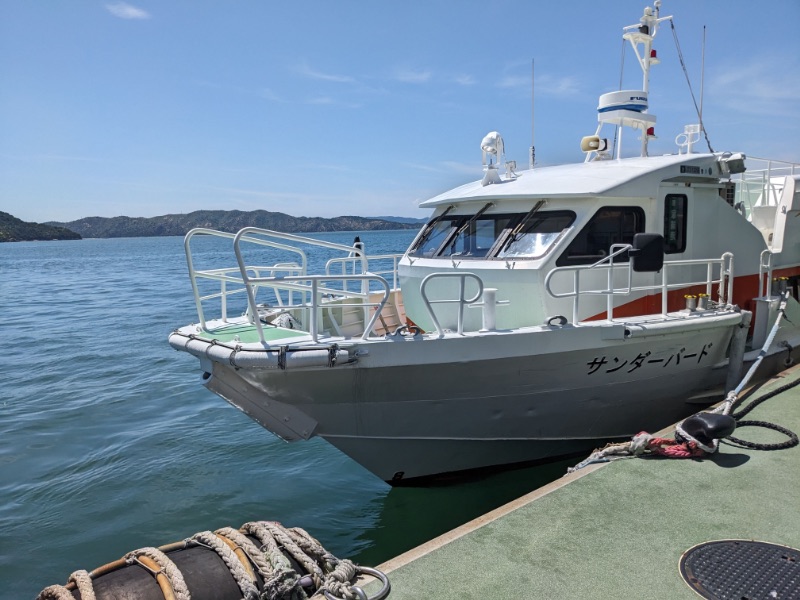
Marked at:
<point>742,570</point>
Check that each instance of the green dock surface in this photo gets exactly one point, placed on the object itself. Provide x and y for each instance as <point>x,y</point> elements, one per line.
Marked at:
<point>618,530</point>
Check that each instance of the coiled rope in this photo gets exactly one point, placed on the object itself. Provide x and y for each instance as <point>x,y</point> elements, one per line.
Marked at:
<point>792,436</point>
<point>262,573</point>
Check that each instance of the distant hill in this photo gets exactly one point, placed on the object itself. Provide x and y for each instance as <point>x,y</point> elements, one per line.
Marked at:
<point>223,220</point>
<point>405,220</point>
<point>14,230</point>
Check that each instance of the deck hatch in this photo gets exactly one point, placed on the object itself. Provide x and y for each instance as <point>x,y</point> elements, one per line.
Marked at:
<point>742,570</point>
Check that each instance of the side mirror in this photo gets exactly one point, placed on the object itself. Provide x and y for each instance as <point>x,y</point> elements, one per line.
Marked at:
<point>647,254</point>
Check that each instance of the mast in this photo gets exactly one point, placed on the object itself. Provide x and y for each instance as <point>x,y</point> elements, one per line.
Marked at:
<point>642,35</point>
<point>629,108</point>
<point>702,79</point>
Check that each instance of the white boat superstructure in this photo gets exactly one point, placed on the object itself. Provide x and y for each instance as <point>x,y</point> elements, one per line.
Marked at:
<point>538,313</point>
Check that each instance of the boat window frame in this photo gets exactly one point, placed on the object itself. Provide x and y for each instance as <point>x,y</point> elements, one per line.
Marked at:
<point>627,238</point>
<point>527,221</point>
<point>681,218</point>
<point>458,224</point>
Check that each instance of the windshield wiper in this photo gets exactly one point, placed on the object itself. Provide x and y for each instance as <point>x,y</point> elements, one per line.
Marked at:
<point>425,232</point>
<point>474,218</point>
<point>469,223</point>
<point>512,235</point>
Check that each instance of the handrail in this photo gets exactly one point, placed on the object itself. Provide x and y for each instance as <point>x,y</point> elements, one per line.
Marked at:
<point>246,234</point>
<point>344,261</point>
<point>756,183</point>
<point>606,262</point>
<point>193,275</point>
<point>725,280</point>
<point>290,277</point>
<point>461,300</point>
<point>316,291</point>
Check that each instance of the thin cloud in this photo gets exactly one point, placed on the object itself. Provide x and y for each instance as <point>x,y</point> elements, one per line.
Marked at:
<point>464,80</point>
<point>514,81</point>
<point>123,10</point>
<point>51,157</point>
<point>544,84</point>
<point>306,71</point>
<point>328,101</point>
<point>459,167</point>
<point>556,86</point>
<point>446,166</point>
<point>268,94</point>
<point>750,89</point>
<point>405,75</point>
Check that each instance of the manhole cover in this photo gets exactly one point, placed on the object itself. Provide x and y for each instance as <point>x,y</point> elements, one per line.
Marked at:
<point>742,570</point>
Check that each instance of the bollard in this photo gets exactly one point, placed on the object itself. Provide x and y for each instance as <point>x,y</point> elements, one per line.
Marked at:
<point>489,309</point>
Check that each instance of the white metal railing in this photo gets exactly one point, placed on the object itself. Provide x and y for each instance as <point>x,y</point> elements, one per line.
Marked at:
<point>349,264</point>
<point>724,280</point>
<point>311,287</point>
<point>288,281</point>
<point>461,301</point>
<point>762,183</point>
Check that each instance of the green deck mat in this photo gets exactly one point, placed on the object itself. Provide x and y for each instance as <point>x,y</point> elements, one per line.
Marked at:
<point>248,334</point>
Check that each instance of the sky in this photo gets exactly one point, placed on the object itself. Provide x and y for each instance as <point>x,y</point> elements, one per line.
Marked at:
<point>340,107</point>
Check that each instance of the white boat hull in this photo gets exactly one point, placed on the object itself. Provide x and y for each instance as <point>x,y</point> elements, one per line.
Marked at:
<point>419,408</point>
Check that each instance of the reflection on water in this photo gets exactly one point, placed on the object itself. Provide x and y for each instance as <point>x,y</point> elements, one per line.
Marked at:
<point>408,517</point>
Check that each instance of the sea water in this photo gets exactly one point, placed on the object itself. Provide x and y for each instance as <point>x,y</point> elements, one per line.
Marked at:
<point>109,442</point>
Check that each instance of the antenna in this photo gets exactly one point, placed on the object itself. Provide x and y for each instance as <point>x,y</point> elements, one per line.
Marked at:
<point>702,78</point>
<point>532,157</point>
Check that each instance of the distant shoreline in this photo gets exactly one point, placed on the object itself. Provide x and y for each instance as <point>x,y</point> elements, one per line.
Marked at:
<point>231,221</point>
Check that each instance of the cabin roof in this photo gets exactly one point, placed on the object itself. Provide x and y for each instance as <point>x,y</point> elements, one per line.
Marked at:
<point>625,178</point>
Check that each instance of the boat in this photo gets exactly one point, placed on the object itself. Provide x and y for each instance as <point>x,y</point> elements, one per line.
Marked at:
<point>539,313</point>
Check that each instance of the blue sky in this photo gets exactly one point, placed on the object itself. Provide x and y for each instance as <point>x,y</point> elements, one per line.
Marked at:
<point>325,108</point>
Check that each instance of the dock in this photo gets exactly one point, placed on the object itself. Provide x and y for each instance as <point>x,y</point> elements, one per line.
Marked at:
<point>619,529</point>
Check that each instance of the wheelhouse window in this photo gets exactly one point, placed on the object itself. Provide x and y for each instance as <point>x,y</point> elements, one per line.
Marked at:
<point>434,236</point>
<point>533,238</point>
<point>475,237</point>
<point>507,235</point>
<point>675,211</point>
<point>610,225</point>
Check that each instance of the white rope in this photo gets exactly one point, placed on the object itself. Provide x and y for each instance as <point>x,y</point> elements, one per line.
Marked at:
<point>281,535</point>
<point>168,568</point>
<point>55,592</point>
<point>83,581</point>
<point>338,581</point>
<point>311,546</point>
<point>635,447</point>
<point>228,556</point>
<point>249,548</point>
<point>285,580</point>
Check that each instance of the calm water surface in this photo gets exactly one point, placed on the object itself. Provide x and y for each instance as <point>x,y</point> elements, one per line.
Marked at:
<point>108,442</point>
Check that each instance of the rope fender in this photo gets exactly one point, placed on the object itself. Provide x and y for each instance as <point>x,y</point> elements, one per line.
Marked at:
<point>282,553</point>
